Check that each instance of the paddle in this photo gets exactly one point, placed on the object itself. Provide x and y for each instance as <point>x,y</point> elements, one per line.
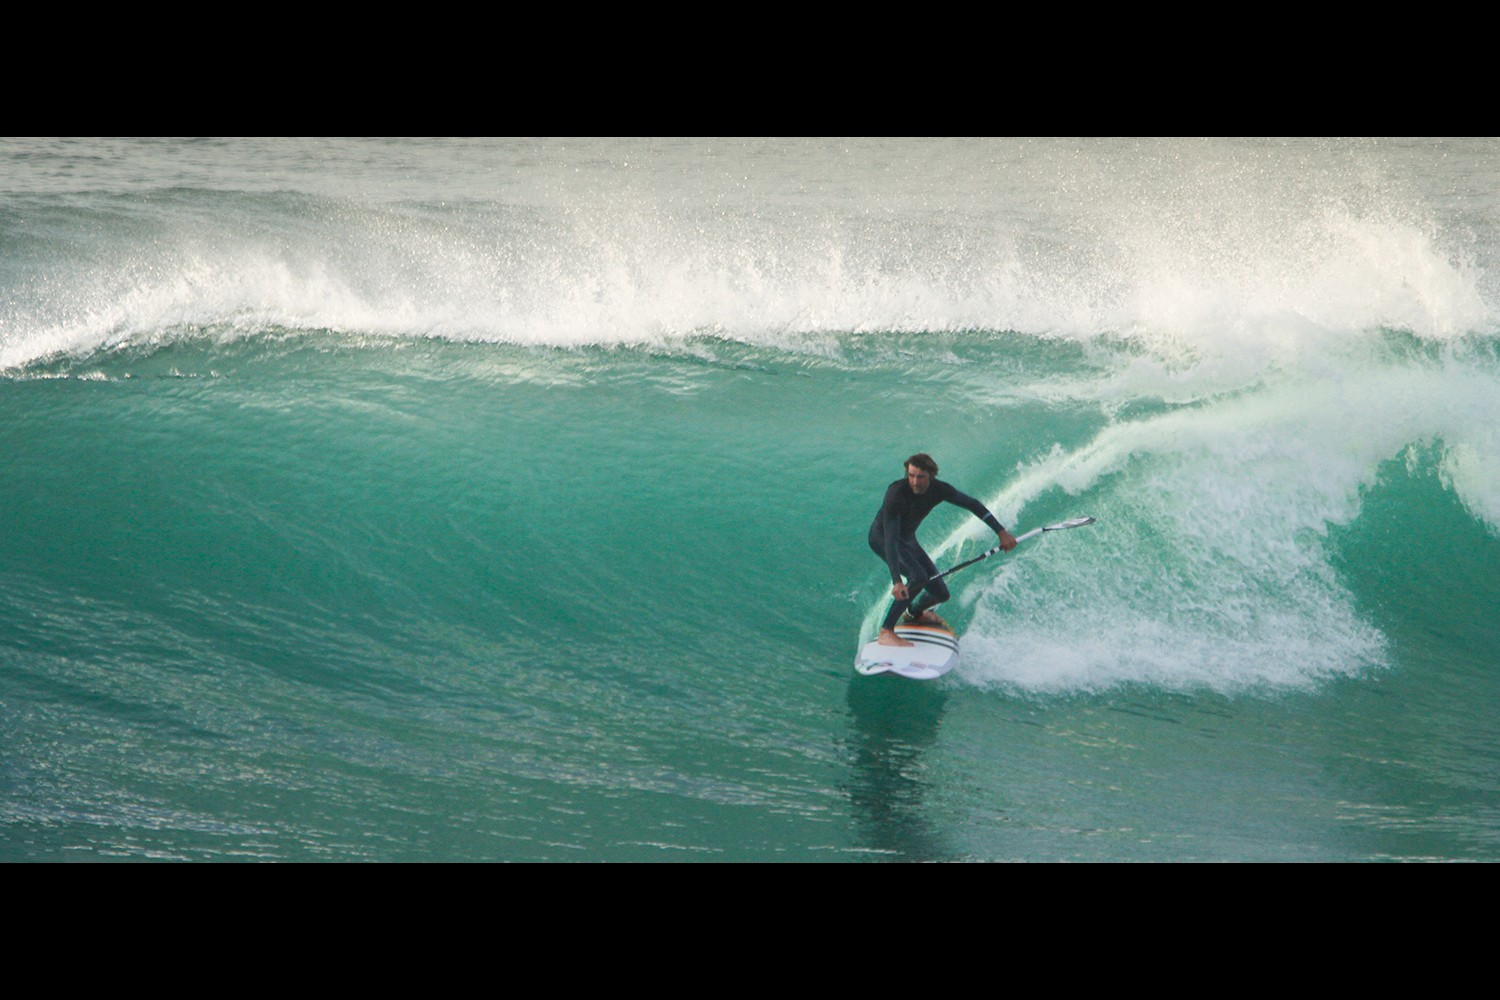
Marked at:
<point>1076,522</point>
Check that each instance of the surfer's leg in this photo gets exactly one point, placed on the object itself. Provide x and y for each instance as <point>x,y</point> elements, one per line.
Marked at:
<point>918,570</point>
<point>897,609</point>
<point>936,590</point>
<point>877,546</point>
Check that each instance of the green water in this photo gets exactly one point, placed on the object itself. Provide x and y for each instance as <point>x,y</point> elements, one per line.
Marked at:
<point>391,518</point>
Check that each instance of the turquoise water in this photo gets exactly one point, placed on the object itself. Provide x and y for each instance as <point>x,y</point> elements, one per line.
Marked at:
<point>507,501</point>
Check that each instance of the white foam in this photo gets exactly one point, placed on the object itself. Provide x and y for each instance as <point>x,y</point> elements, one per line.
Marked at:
<point>1209,565</point>
<point>1215,256</point>
<point>1471,468</point>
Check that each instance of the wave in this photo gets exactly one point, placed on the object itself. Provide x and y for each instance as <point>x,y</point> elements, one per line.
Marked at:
<point>1212,563</point>
<point>1214,358</point>
<point>1197,265</point>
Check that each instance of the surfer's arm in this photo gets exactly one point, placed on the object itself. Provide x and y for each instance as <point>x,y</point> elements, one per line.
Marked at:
<point>979,510</point>
<point>890,527</point>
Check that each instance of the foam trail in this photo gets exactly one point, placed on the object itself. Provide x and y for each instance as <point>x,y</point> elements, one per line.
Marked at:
<point>1209,565</point>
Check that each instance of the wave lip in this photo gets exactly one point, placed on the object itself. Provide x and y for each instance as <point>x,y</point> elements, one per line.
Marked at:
<point>1200,263</point>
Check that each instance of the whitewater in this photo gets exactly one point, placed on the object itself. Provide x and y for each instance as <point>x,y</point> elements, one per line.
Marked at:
<point>506,500</point>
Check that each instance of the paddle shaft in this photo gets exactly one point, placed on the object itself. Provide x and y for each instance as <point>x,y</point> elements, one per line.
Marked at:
<point>1076,523</point>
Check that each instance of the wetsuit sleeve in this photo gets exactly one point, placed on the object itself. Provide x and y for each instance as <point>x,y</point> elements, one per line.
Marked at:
<point>974,507</point>
<point>890,525</point>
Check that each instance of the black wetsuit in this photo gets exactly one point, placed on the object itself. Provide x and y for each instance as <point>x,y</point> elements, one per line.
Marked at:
<point>893,536</point>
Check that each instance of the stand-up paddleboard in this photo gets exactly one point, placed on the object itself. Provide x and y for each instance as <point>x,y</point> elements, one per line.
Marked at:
<point>932,653</point>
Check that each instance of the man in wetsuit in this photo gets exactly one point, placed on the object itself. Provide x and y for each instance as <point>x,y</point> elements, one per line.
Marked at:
<point>893,536</point>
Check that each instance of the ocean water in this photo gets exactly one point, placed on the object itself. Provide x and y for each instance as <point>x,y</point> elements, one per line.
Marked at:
<point>506,500</point>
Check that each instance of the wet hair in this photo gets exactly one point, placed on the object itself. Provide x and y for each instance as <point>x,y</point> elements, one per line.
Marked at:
<point>923,461</point>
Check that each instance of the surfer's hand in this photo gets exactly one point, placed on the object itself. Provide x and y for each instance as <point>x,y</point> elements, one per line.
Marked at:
<point>898,590</point>
<point>1007,540</point>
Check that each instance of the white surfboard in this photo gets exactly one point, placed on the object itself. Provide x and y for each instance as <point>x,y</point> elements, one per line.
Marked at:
<point>932,653</point>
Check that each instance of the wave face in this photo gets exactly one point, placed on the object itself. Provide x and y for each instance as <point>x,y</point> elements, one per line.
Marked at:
<point>507,500</point>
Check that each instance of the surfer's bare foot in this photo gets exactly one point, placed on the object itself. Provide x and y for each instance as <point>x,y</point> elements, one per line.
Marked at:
<point>888,637</point>
<point>925,618</point>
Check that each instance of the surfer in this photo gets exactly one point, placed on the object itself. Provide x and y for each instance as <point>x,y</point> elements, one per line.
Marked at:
<point>893,536</point>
